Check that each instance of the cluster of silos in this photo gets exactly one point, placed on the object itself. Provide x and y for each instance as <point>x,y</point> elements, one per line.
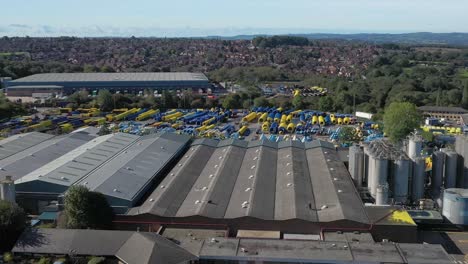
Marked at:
<point>7,189</point>
<point>387,172</point>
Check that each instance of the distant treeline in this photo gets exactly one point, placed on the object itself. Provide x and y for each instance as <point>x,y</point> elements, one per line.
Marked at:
<point>275,41</point>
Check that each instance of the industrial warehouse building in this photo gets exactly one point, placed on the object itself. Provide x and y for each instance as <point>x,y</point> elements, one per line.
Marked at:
<point>68,83</point>
<point>120,166</point>
<point>287,186</point>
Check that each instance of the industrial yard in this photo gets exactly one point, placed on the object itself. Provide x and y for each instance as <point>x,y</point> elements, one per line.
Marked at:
<point>275,174</point>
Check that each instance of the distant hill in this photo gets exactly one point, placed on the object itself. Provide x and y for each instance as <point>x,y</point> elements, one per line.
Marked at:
<point>423,38</point>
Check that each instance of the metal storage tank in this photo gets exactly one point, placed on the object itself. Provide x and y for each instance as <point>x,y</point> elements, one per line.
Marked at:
<point>450,175</point>
<point>370,173</point>
<point>7,189</point>
<point>419,169</point>
<point>356,164</point>
<point>438,159</point>
<point>400,180</point>
<point>455,206</point>
<point>381,198</point>
<point>380,174</point>
<point>415,146</point>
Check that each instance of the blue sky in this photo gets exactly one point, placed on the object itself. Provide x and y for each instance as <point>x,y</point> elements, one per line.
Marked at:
<point>220,17</point>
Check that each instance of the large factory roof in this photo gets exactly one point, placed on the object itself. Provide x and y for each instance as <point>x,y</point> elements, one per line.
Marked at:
<point>36,150</point>
<point>112,77</point>
<point>118,165</point>
<point>261,179</point>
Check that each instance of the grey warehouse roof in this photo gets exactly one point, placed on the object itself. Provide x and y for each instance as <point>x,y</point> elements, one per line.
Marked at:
<point>120,166</point>
<point>20,142</point>
<point>109,77</point>
<point>261,179</point>
<point>31,151</point>
<point>129,246</point>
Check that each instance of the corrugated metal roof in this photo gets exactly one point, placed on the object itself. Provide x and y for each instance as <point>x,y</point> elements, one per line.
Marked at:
<point>118,165</point>
<point>264,180</point>
<point>38,155</point>
<point>20,142</point>
<point>114,76</point>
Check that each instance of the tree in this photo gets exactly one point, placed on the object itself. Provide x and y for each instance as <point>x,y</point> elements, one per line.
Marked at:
<point>9,109</point>
<point>86,209</point>
<point>261,102</point>
<point>79,98</point>
<point>347,135</point>
<point>105,100</point>
<point>400,119</point>
<point>298,102</point>
<point>232,101</point>
<point>12,223</point>
<point>104,130</point>
<point>326,103</point>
